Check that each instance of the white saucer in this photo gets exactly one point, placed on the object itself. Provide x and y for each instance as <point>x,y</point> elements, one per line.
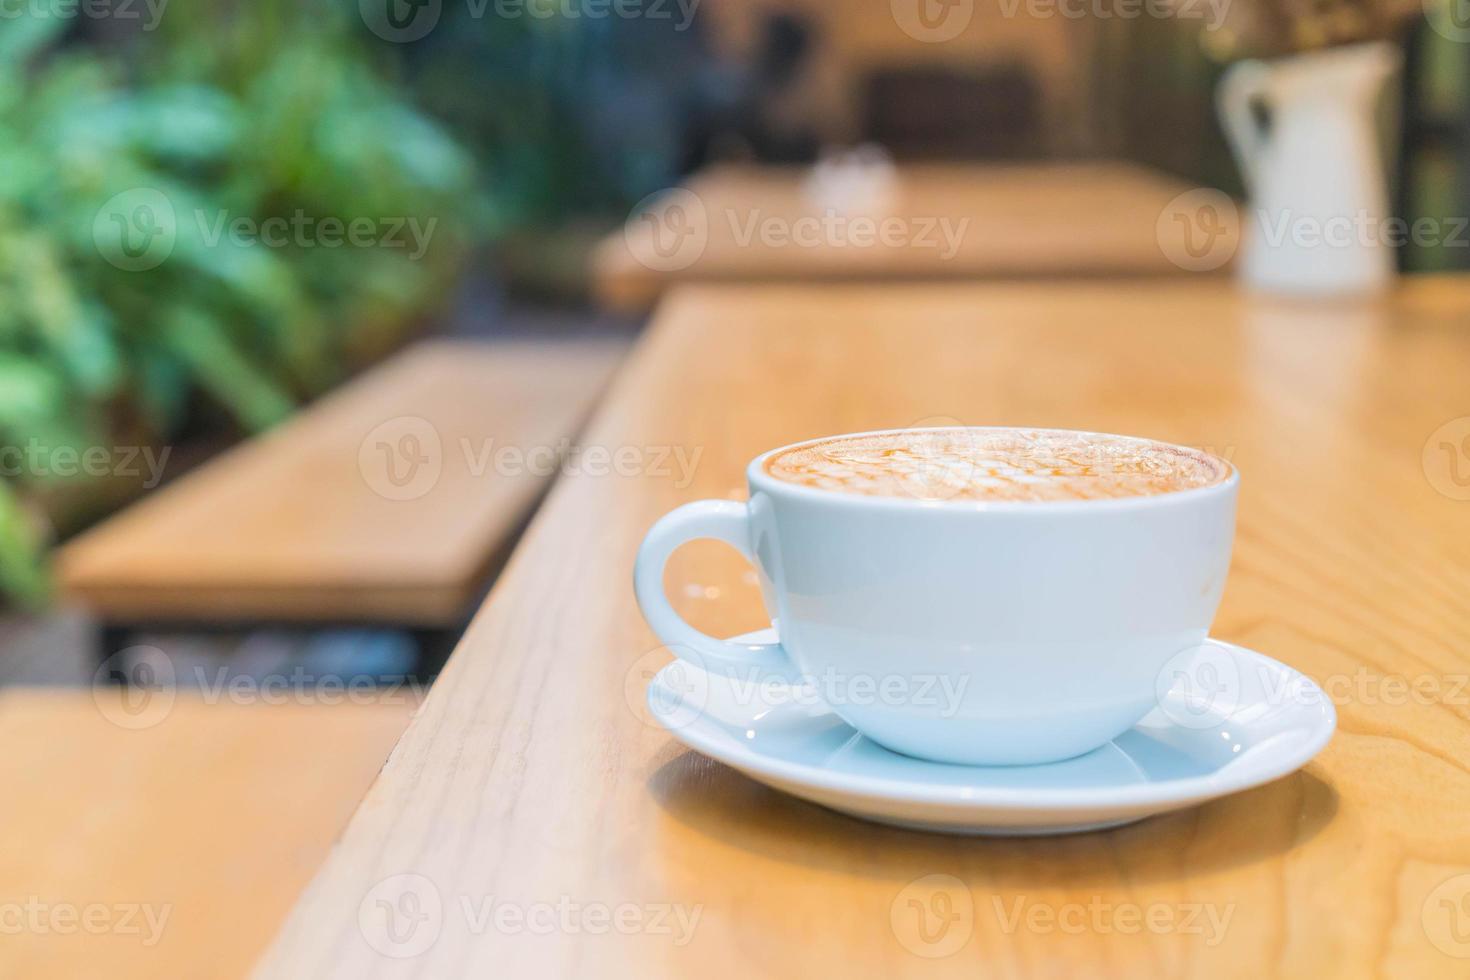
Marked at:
<point>1276,720</point>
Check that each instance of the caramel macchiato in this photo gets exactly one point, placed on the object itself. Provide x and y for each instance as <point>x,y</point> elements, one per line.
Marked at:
<point>996,464</point>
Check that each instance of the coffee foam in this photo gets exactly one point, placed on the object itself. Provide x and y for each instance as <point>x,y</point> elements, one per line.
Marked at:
<point>996,464</point>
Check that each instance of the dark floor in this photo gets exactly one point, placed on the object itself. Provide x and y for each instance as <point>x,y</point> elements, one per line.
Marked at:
<point>56,650</point>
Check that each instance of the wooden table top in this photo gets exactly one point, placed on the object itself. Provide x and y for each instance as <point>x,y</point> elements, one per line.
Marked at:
<point>385,501</point>
<point>532,776</point>
<point>185,826</point>
<point>946,221</point>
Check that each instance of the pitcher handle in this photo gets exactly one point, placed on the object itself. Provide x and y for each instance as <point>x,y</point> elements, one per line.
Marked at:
<point>1242,85</point>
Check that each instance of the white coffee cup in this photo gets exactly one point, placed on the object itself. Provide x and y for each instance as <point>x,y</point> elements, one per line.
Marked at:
<point>978,632</point>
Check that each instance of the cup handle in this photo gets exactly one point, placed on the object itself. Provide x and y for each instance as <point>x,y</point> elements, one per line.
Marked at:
<point>721,520</point>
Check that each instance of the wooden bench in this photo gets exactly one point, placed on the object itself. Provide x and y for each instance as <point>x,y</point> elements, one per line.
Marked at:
<point>174,848</point>
<point>388,501</point>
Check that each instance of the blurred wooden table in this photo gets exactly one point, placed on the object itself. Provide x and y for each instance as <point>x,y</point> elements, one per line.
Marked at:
<point>941,222</point>
<point>149,834</point>
<point>531,778</point>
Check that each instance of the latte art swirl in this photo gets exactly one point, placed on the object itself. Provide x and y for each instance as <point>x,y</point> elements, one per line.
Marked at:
<point>996,464</point>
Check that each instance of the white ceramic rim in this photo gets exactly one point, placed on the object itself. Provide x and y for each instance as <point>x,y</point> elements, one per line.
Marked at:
<point>1268,767</point>
<point>758,478</point>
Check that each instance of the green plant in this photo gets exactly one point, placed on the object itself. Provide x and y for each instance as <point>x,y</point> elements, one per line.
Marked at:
<point>193,138</point>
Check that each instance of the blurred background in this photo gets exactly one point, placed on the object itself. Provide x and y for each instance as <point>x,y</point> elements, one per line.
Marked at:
<point>248,246</point>
<point>525,131</point>
<point>506,137</point>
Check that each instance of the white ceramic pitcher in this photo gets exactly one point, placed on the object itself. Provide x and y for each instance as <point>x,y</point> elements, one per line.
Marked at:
<point>1317,222</point>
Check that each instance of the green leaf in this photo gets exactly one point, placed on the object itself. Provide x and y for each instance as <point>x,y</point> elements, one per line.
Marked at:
<point>24,572</point>
<point>203,343</point>
<point>188,123</point>
<point>29,392</point>
<point>25,35</point>
<point>76,332</point>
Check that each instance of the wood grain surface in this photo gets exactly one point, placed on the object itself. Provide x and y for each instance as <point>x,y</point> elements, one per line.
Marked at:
<point>151,835</point>
<point>386,501</point>
<point>944,221</point>
<point>532,776</point>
